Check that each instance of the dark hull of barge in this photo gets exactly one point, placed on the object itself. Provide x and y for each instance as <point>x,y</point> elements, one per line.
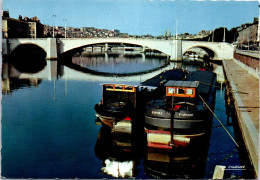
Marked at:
<point>110,115</point>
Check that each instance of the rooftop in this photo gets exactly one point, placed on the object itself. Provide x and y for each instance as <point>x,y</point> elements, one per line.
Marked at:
<point>192,84</point>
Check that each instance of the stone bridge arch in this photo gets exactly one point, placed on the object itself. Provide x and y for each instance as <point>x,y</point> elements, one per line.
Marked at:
<point>47,44</point>
<point>163,46</point>
<point>220,50</point>
<point>28,48</point>
<point>211,52</point>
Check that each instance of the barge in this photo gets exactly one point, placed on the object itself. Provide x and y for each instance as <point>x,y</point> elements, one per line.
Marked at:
<point>180,116</point>
<point>118,103</point>
<point>122,103</point>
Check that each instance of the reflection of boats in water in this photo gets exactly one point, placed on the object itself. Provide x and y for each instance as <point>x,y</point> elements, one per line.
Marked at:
<point>120,156</point>
<point>181,115</point>
<point>188,162</point>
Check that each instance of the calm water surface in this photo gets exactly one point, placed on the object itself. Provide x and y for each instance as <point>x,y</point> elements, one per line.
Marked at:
<point>49,129</point>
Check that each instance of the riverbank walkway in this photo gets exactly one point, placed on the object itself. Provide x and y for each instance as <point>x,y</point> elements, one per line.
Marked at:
<point>245,90</point>
<point>255,54</point>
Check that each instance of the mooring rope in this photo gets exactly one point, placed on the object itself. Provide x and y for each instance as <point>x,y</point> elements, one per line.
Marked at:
<point>219,121</point>
<point>209,69</point>
<point>220,109</point>
<point>226,89</point>
<point>209,84</point>
<point>222,77</point>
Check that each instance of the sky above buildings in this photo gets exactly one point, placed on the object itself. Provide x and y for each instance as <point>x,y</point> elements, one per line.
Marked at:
<point>138,16</point>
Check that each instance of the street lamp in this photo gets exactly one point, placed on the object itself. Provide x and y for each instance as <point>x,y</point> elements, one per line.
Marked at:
<point>176,36</point>
<point>213,35</point>
<point>53,25</point>
<point>224,35</point>
<point>65,27</point>
<point>258,31</point>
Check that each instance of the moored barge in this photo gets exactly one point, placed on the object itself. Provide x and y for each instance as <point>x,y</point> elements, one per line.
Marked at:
<point>118,103</point>
<point>180,115</point>
<point>122,102</point>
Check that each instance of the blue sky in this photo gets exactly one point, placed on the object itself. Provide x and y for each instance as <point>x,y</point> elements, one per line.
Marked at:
<point>138,16</point>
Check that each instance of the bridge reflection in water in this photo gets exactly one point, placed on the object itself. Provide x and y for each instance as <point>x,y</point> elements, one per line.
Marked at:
<point>85,68</point>
<point>81,69</point>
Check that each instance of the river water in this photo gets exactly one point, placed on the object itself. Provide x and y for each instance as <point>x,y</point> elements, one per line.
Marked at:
<point>49,129</point>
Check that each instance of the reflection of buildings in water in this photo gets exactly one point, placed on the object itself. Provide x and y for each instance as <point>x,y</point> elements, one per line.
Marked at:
<point>13,79</point>
<point>118,159</point>
<point>5,79</point>
<point>6,86</point>
<point>10,84</point>
<point>189,162</point>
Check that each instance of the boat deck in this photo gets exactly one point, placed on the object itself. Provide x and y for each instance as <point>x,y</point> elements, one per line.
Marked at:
<point>174,74</point>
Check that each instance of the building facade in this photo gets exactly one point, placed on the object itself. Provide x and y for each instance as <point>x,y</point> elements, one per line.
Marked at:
<point>21,28</point>
<point>13,28</point>
<point>248,33</point>
<point>35,28</point>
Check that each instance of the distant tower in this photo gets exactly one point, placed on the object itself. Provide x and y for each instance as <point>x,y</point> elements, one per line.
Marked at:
<point>165,34</point>
<point>169,34</point>
<point>5,13</point>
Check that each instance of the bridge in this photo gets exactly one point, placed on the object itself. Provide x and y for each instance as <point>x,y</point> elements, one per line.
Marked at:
<point>53,47</point>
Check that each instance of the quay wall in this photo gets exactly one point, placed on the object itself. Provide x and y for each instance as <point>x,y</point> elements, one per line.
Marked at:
<point>249,63</point>
<point>248,124</point>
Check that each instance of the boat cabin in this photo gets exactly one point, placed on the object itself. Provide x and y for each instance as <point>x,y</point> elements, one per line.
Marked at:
<point>184,89</point>
<point>119,93</point>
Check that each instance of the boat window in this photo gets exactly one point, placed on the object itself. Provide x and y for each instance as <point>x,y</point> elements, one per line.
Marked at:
<point>119,87</point>
<point>171,90</point>
<point>180,91</point>
<point>109,87</point>
<point>189,91</point>
<point>128,88</point>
